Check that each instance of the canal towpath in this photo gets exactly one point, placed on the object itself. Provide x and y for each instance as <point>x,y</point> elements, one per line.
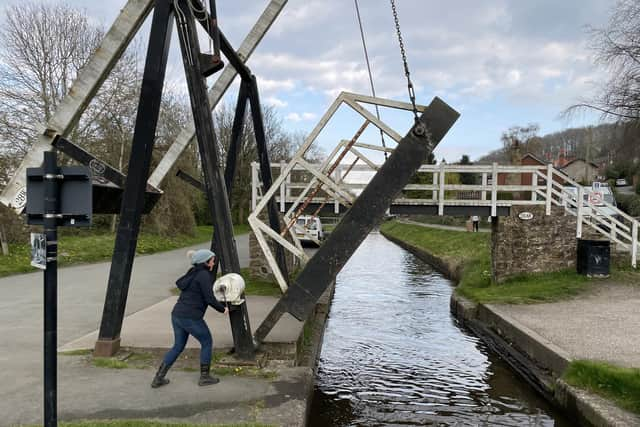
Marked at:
<point>89,392</point>
<point>601,325</point>
<point>441,226</point>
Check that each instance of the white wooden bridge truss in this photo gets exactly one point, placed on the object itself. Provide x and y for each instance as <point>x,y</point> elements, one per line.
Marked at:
<point>549,187</point>
<point>323,175</point>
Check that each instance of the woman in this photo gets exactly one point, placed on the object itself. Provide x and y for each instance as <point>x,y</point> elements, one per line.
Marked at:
<point>187,316</point>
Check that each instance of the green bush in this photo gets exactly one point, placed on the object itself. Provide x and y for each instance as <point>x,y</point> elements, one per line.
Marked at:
<point>629,203</point>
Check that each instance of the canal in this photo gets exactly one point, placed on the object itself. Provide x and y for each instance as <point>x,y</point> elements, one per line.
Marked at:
<point>394,355</point>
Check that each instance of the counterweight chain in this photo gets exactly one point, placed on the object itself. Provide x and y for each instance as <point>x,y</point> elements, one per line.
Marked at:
<point>412,93</point>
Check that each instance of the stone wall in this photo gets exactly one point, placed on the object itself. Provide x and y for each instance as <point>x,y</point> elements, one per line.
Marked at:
<point>540,244</point>
<point>258,266</point>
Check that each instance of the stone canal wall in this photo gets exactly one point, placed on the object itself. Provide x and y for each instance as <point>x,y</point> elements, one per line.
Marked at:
<point>528,241</point>
<point>534,358</point>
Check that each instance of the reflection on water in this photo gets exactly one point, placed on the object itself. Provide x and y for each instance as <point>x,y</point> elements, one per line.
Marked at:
<point>393,354</point>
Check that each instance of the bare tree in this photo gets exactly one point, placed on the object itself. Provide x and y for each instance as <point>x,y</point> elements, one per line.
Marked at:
<point>43,48</point>
<point>518,140</point>
<point>281,144</point>
<point>617,48</point>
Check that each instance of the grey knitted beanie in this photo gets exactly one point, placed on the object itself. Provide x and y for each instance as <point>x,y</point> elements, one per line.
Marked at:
<point>200,256</point>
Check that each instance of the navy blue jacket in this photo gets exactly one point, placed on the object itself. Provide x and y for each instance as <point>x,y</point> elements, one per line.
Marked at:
<point>197,293</point>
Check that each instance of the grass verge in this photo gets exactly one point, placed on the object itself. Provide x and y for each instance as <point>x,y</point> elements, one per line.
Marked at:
<point>142,423</point>
<point>95,246</point>
<point>140,359</point>
<point>622,385</point>
<point>109,362</point>
<point>472,251</point>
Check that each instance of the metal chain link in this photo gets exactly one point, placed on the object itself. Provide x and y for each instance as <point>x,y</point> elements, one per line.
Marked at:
<point>412,93</point>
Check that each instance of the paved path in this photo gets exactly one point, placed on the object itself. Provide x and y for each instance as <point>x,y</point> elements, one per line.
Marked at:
<point>601,325</point>
<point>86,392</point>
<point>151,327</point>
<point>80,301</point>
<point>440,226</point>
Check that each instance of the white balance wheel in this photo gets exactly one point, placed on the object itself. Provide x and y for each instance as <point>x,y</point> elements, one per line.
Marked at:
<point>229,288</point>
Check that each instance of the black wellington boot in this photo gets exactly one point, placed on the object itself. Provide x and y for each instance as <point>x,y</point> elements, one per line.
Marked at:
<point>159,380</point>
<point>205,378</point>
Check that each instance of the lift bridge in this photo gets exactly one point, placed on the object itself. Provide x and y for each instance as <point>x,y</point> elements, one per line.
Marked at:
<point>135,193</point>
<point>326,188</point>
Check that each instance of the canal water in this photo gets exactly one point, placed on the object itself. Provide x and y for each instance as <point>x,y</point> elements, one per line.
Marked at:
<point>393,354</point>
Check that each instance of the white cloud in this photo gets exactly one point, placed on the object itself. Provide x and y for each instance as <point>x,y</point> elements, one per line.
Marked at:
<point>294,117</point>
<point>270,85</point>
<point>276,102</point>
<point>490,50</point>
<point>529,55</point>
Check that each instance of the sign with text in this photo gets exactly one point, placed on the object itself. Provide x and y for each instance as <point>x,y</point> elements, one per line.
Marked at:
<point>526,216</point>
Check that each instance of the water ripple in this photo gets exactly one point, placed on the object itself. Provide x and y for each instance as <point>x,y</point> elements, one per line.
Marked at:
<point>393,356</point>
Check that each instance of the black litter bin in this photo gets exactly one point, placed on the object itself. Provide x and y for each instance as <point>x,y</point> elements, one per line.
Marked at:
<point>593,257</point>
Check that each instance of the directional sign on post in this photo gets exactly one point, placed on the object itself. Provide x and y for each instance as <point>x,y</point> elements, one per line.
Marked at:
<point>75,198</point>
<point>56,196</point>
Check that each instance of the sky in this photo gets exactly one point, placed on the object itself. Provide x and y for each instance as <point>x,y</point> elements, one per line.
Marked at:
<point>500,63</point>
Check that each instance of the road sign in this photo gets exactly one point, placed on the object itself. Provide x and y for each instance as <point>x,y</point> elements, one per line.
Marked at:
<point>596,197</point>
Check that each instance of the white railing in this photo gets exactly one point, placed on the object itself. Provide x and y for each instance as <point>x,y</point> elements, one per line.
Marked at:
<point>441,193</point>
<point>603,217</point>
<point>547,187</point>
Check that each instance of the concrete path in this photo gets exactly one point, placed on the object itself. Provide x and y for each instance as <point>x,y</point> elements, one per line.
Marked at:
<point>151,327</point>
<point>440,226</point>
<point>602,325</point>
<point>80,301</point>
<point>87,392</point>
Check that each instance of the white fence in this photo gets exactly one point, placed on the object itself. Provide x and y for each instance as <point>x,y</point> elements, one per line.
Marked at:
<point>500,186</point>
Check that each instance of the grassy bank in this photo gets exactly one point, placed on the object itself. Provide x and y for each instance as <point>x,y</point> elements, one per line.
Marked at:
<point>622,385</point>
<point>94,247</point>
<point>472,251</point>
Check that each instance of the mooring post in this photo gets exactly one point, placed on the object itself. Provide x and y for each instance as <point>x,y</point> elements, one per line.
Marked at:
<point>217,197</point>
<point>51,192</point>
<point>139,163</point>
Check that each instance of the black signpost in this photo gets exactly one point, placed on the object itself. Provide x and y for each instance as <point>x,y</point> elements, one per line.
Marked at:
<point>55,196</point>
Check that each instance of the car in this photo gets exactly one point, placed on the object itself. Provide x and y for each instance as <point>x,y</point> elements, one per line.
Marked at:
<point>596,195</point>
<point>308,228</point>
<point>621,182</point>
